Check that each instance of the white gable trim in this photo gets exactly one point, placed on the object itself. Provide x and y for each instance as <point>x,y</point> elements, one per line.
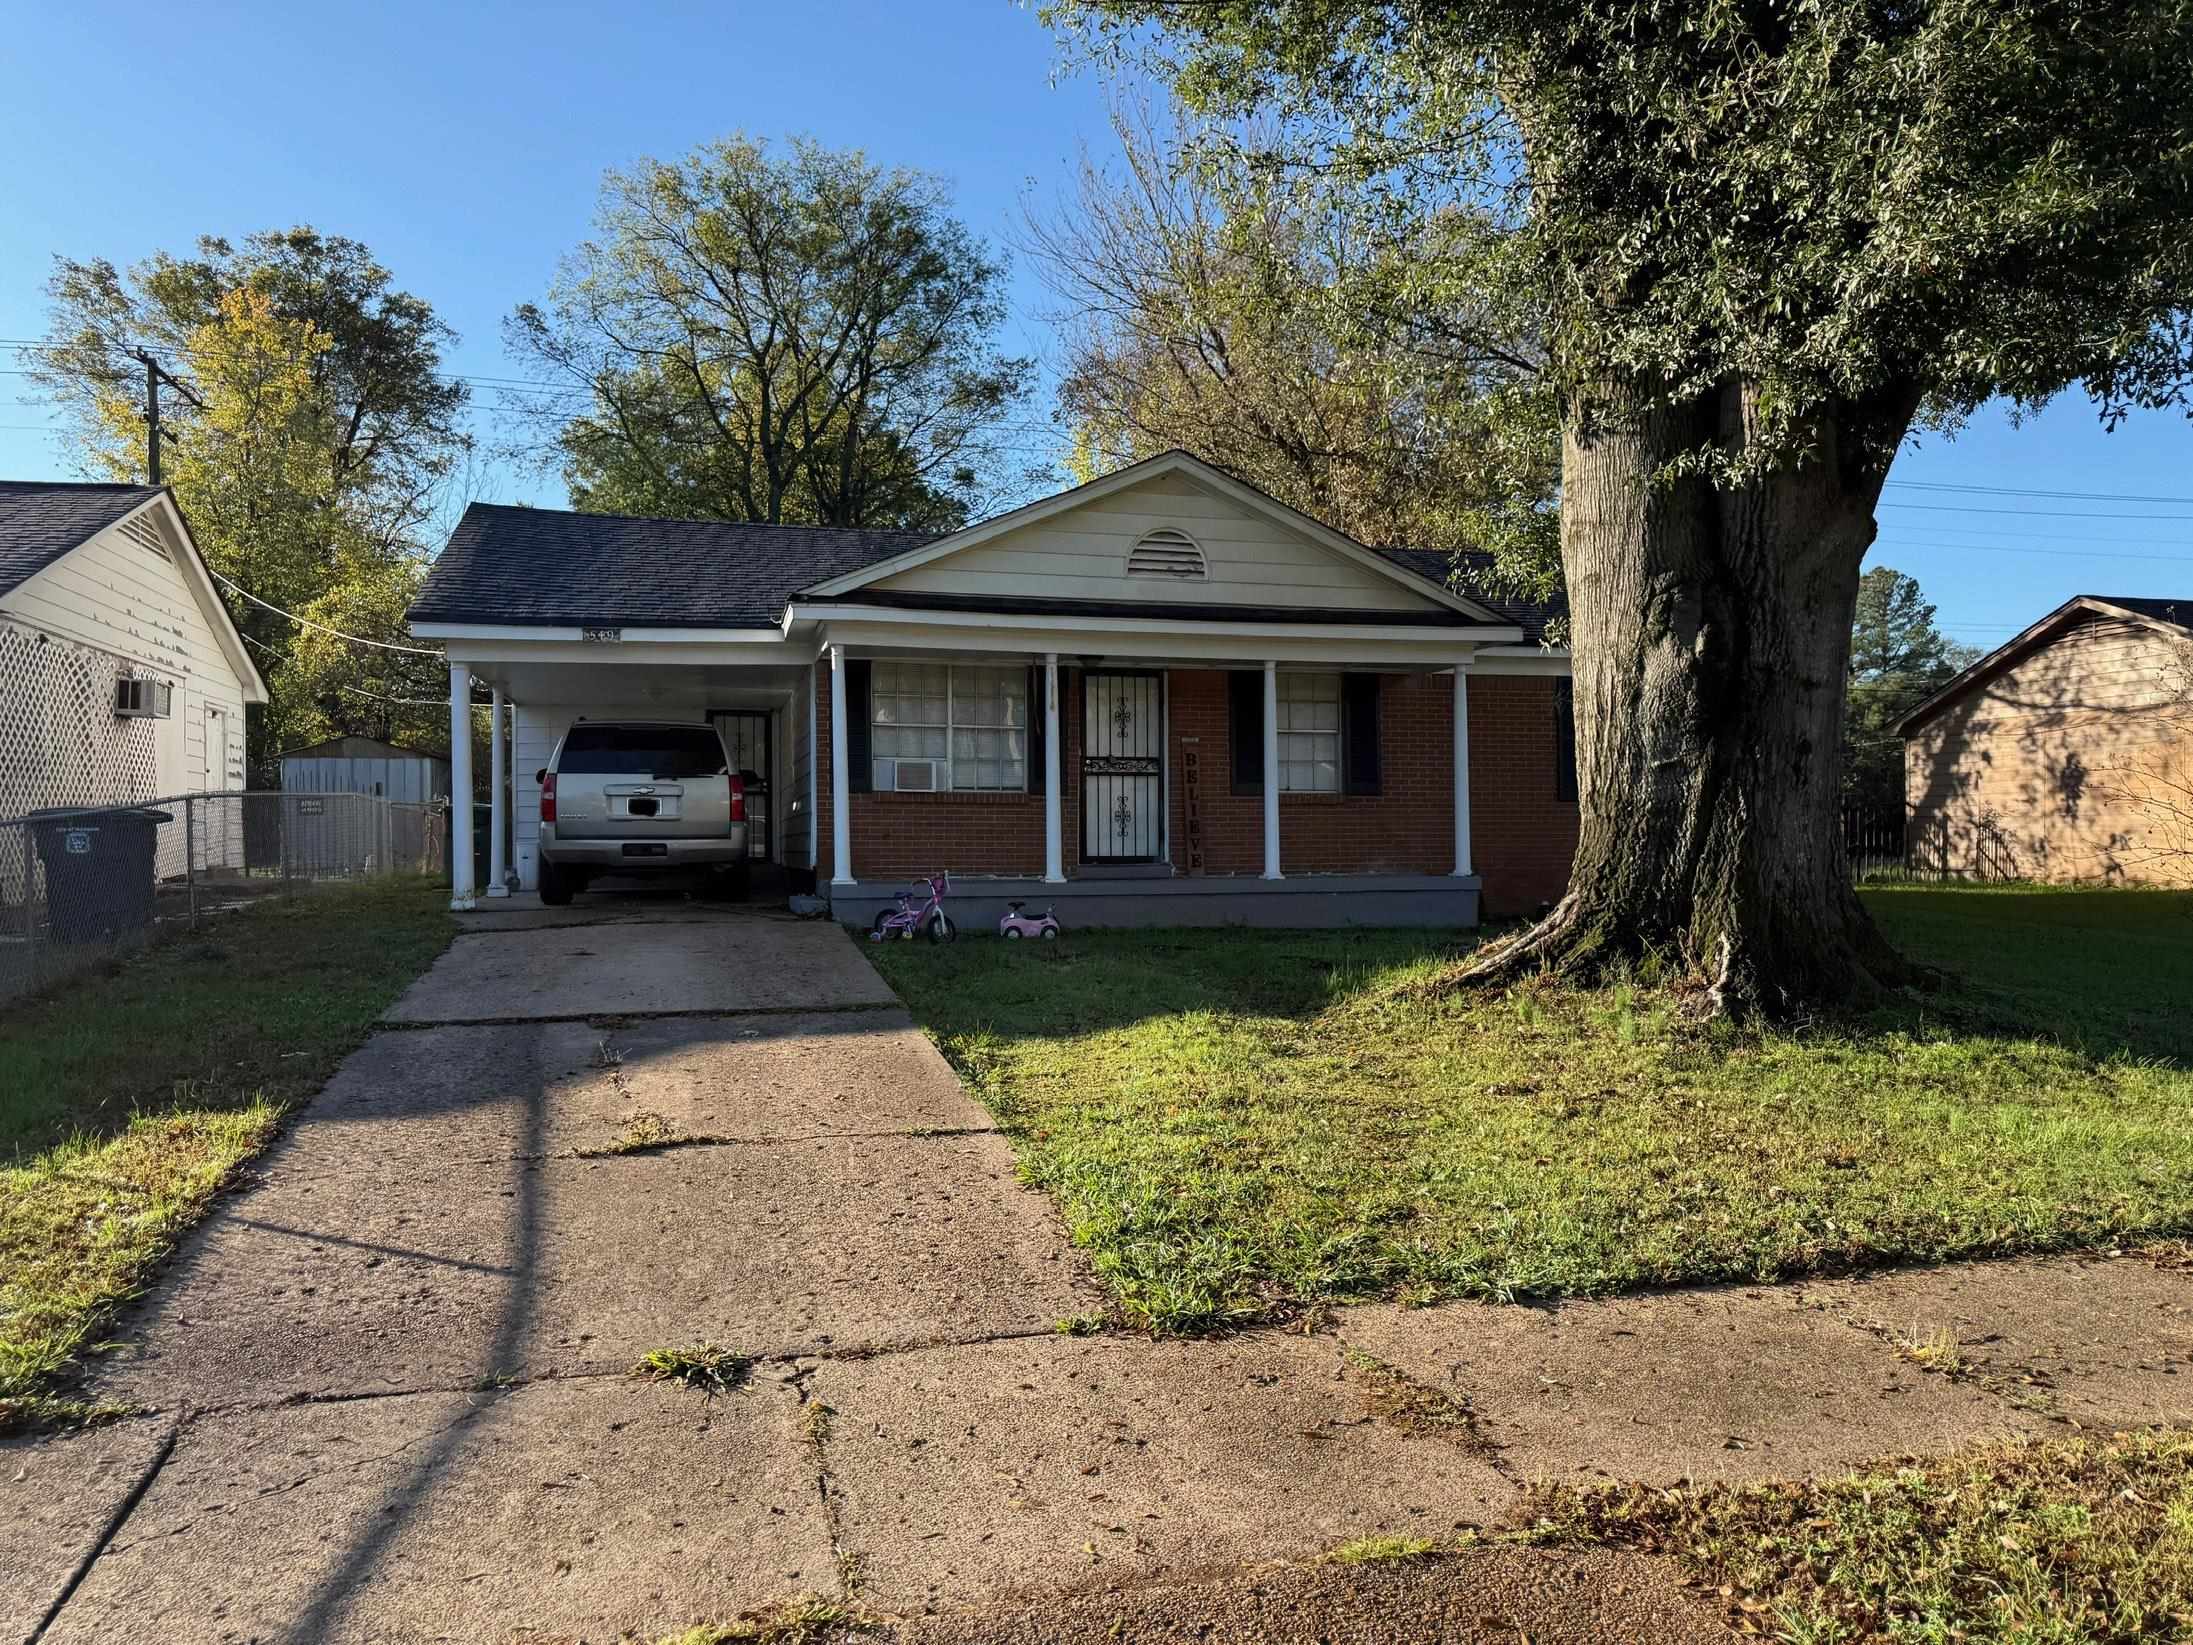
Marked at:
<point>192,564</point>
<point>1170,462</point>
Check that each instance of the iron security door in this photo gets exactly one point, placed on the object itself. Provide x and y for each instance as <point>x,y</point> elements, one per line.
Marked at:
<point>747,740</point>
<point>1122,767</point>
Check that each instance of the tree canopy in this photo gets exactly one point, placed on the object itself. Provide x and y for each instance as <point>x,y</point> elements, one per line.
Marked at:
<point>1760,241</point>
<point>313,442</point>
<point>794,335</point>
<point>1230,313</point>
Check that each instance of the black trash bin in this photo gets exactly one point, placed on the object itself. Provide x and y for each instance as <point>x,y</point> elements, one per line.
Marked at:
<point>99,876</point>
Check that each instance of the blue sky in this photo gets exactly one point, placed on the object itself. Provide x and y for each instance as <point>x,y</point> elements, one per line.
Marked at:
<point>464,144</point>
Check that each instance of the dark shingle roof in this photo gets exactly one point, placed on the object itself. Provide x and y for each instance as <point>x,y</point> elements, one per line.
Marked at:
<point>42,520</point>
<point>1437,565</point>
<point>550,568</point>
<point>529,567</point>
<point>2163,611</point>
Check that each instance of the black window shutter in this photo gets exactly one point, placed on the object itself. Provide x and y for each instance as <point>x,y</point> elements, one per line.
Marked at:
<point>1245,729</point>
<point>1564,739</point>
<point>1359,731</point>
<point>860,775</point>
<point>1038,772</point>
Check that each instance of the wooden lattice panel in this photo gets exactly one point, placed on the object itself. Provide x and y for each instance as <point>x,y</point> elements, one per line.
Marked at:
<point>61,742</point>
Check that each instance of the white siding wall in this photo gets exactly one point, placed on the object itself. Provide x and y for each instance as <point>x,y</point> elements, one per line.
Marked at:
<point>117,600</point>
<point>799,817</point>
<point>1082,555</point>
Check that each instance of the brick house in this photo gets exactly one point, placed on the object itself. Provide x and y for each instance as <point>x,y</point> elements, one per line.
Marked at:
<point>2066,754</point>
<point>1159,698</point>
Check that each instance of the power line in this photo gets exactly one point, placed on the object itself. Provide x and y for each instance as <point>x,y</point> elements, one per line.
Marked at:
<point>2053,553</point>
<point>2033,513</point>
<point>2021,491</point>
<point>355,639</point>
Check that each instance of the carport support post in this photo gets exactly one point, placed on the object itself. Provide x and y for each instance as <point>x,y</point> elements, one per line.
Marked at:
<point>841,810</point>
<point>1271,771</point>
<point>1054,828</point>
<point>498,783</point>
<point>1462,767</point>
<point>460,786</point>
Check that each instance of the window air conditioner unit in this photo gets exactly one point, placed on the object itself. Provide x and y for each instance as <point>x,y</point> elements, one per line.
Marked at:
<point>143,699</point>
<point>915,776</point>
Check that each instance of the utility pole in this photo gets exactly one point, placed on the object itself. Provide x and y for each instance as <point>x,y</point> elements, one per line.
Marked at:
<point>152,418</point>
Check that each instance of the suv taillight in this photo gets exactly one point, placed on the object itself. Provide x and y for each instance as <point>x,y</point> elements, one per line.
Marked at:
<point>548,798</point>
<point>738,798</point>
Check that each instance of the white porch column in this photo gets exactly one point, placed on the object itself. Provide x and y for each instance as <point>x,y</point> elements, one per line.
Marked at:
<point>1054,828</point>
<point>460,786</point>
<point>1271,771</point>
<point>1462,768</point>
<point>498,788</point>
<point>841,808</point>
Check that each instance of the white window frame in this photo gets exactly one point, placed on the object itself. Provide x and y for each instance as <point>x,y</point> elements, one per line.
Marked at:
<point>951,726</point>
<point>1321,737</point>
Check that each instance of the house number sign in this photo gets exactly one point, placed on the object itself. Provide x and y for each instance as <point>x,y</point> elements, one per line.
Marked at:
<point>601,636</point>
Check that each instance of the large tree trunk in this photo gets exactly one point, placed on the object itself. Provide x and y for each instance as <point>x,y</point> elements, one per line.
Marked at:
<point>1711,632</point>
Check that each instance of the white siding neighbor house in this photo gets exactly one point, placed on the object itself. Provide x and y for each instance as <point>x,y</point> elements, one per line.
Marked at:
<point>122,677</point>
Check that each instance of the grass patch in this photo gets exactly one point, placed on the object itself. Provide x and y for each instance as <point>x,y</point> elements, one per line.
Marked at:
<point>2030,1545</point>
<point>127,1102</point>
<point>800,1622</point>
<point>704,1366</point>
<point>1237,1126</point>
<point>1378,1550</point>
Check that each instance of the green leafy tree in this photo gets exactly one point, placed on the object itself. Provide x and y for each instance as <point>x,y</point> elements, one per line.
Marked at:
<point>1268,329</point>
<point>797,336</point>
<point>312,438</point>
<point>1898,658</point>
<point>1761,241</point>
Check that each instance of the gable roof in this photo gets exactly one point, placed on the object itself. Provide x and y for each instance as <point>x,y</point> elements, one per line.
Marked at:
<point>41,520</point>
<point>517,567</point>
<point>2169,614</point>
<point>1194,468</point>
<point>360,748</point>
<point>550,568</point>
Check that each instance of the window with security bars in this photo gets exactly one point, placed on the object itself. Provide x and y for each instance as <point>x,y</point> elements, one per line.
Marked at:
<point>1309,733</point>
<point>973,721</point>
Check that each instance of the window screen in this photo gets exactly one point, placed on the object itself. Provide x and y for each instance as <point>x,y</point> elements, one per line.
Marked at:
<point>1309,733</point>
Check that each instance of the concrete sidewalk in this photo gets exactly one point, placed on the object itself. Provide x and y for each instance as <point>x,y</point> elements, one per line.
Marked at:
<point>388,1394</point>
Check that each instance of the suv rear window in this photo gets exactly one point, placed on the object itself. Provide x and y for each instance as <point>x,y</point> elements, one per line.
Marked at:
<point>642,751</point>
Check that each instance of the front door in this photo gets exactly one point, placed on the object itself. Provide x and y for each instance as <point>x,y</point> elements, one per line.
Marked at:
<point>746,739</point>
<point>1122,767</point>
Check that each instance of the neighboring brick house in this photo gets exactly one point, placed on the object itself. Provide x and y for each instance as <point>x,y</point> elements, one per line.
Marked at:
<point>2066,754</point>
<point>1160,698</point>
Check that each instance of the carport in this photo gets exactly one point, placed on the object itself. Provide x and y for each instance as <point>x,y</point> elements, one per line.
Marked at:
<point>539,687</point>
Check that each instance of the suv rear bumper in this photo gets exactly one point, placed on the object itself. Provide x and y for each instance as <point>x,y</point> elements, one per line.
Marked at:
<point>639,854</point>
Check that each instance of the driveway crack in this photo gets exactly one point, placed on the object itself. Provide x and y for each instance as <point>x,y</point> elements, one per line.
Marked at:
<point>109,1531</point>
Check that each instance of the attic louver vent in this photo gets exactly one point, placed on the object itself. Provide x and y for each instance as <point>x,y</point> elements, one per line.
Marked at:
<point>1166,553</point>
<point>141,532</point>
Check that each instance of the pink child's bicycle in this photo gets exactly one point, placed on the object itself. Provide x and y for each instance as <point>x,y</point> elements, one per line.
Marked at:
<point>913,916</point>
<point>1013,923</point>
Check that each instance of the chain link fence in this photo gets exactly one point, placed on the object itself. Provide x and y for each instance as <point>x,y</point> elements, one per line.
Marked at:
<point>80,884</point>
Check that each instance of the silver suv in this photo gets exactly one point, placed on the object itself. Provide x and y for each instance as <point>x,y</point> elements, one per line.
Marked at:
<point>634,796</point>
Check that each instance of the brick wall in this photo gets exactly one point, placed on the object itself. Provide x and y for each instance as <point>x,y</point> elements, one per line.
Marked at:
<point>1522,836</point>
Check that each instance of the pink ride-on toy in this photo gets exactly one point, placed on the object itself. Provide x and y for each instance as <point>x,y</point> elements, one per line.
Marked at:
<point>1015,924</point>
<point>927,918</point>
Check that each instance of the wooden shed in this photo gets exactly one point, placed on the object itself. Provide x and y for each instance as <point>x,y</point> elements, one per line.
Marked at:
<point>2064,755</point>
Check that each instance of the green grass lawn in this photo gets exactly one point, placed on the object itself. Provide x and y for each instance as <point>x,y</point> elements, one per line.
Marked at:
<point>2085,1540</point>
<point>128,1099</point>
<point>1238,1124</point>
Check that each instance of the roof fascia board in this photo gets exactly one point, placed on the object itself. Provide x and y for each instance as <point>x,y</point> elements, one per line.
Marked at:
<point>834,616</point>
<point>2016,646</point>
<point>199,579</point>
<point>627,636</point>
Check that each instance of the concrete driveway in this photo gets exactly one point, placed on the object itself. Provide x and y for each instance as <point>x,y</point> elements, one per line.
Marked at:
<point>390,1382</point>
